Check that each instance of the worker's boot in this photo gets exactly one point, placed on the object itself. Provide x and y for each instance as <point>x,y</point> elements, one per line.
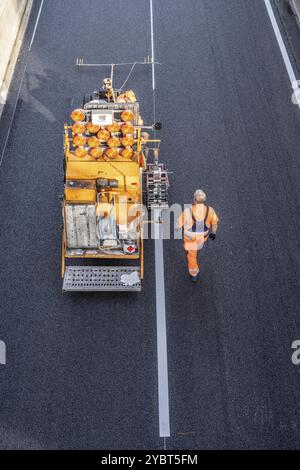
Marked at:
<point>194,278</point>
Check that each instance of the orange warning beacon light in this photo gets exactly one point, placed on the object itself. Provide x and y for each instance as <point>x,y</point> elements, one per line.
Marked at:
<point>96,152</point>
<point>79,140</point>
<point>114,142</point>
<point>103,135</point>
<point>114,127</point>
<point>78,128</point>
<point>92,128</point>
<point>128,141</point>
<point>93,141</point>
<point>127,129</point>
<point>127,153</point>
<point>78,115</point>
<point>127,116</point>
<point>81,152</point>
<point>112,152</point>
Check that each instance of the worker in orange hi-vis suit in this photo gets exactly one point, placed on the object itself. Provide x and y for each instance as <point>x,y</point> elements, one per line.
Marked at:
<point>198,222</point>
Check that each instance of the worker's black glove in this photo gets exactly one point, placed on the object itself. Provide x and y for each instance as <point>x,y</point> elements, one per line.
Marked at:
<point>212,236</point>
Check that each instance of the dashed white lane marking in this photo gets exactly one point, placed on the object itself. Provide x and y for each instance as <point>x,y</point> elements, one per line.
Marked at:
<point>36,24</point>
<point>282,47</point>
<point>162,354</point>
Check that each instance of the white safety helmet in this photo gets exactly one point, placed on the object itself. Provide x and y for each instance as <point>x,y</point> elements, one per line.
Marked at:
<point>199,196</point>
<point>106,84</point>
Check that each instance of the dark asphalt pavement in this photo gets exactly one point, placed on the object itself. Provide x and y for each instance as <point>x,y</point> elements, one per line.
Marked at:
<point>81,368</point>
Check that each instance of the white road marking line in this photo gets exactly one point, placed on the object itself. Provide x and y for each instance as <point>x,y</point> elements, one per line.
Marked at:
<point>36,24</point>
<point>162,353</point>
<point>282,47</point>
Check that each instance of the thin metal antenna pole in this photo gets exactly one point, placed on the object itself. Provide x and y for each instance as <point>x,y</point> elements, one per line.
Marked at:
<point>112,74</point>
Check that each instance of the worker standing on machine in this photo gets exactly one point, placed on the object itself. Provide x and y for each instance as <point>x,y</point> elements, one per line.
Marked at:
<point>199,222</point>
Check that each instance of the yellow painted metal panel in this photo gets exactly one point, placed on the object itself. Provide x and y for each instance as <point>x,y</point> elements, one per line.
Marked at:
<point>80,194</point>
<point>127,173</point>
<point>103,256</point>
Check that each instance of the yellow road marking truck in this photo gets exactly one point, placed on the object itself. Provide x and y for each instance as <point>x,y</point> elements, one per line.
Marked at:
<point>106,147</point>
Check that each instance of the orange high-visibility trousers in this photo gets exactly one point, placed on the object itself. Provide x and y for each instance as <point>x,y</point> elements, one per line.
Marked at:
<point>193,265</point>
<point>192,249</point>
<point>194,241</point>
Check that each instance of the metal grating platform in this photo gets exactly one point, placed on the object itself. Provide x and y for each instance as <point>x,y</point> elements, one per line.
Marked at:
<point>100,278</point>
<point>157,184</point>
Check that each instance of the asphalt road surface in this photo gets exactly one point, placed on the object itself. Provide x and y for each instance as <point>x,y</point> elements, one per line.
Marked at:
<point>81,369</point>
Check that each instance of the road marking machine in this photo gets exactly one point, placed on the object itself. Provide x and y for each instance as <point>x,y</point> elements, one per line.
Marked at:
<point>107,177</point>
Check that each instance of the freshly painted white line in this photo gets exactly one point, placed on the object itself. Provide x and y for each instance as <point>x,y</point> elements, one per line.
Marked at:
<point>36,24</point>
<point>152,45</point>
<point>282,48</point>
<point>162,354</point>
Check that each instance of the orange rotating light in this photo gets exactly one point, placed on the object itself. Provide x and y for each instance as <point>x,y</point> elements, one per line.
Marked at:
<point>113,142</point>
<point>93,141</point>
<point>79,141</point>
<point>103,135</point>
<point>78,115</point>
<point>127,129</point>
<point>78,128</point>
<point>112,152</point>
<point>128,141</point>
<point>92,128</point>
<point>127,116</point>
<point>81,152</point>
<point>127,153</point>
<point>96,152</point>
<point>114,127</point>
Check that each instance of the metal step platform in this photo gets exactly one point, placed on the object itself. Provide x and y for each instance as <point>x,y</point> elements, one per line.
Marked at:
<point>102,278</point>
<point>157,185</point>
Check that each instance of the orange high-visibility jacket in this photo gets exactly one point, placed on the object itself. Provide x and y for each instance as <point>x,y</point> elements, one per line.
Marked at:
<point>196,235</point>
